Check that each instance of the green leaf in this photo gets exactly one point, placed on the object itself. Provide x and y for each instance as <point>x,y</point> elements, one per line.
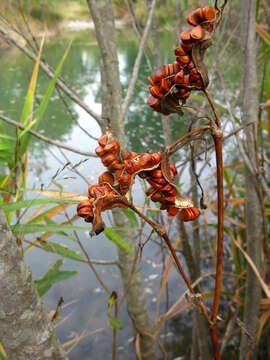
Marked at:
<point>29,99</point>
<point>61,250</point>
<point>53,276</point>
<point>131,217</point>
<point>34,202</point>
<point>37,228</point>
<point>116,323</point>
<point>44,102</point>
<point>117,239</point>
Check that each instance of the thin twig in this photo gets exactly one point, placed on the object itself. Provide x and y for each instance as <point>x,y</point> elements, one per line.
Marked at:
<point>44,138</point>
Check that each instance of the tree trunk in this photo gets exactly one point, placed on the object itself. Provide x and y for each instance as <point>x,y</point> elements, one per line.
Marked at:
<point>102,14</point>
<point>25,329</point>
<point>254,219</point>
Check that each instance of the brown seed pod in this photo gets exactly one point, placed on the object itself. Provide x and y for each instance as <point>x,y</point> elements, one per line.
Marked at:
<point>186,37</point>
<point>176,67</point>
<point>180,51</point>
<point>106,177</point>
<point>183,60</point>
<point>179,77</point>
<point>112,147</point>
<point>195,17</point>
<point>189,214</point>
<point>197,33</point>
<point>100,151</point>
<point>103,140</point>
<point>172,211</point>
<point>85,210</point>
<point>186,47</point>
<point>108,159</point>
<point>209,13</point>
<point>154,91</point>
<point>159,74</point>
<point>154,103</point>
<point>151,81</point>
<point>164,86</point>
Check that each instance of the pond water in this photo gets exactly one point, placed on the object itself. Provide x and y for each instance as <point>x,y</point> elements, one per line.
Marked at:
<point>85,303</point>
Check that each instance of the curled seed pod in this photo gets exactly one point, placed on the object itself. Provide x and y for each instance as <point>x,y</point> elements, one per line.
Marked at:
<point>159,74</point>
<point>154,103</point>
<point>103,140</point>
<point>173,170</point>
<point>156,157</point>
<point>164,206</point>
<point>155,185</point>
<point>176,67</point>
<point>160,181</point>
<point>156,196</point>
<point>186,37</point>
<point>209,13</point>
<point>172,211</point>
<point>154,91</point>
<point>197,33</point>
<point>186,47</point>
<point>96,191</point>
<point>112,147</point>
<point>195,17</point>
<point>115,165</point>
<point>179,77</point>
<point>100,151</point>
<point>164,86</point>
<point>108,159</point>
<point>183,60</point>
<point>151,81</point>
<point>150,191</point>
<point>189,214</point>
<point>156,173</point>
<point>106,178</point>
<point>85,210</point>
<point>179,51</point>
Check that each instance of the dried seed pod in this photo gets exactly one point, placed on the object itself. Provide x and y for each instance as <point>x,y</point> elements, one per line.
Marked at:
<point>85,210</point>
<point>159,74</point>
<point>179,77</point>
<point>156,173</point>
<point>195,17</point>
<point>150,191</point>
<point>108,159</point>
<point>157,196</point>
<point>172,211</point>
<point>154,91</point>
<point>209,13</point>
<point>176,67</point>
<point>100,151</point>
<point>197,33</point>
<point>186,37</point>
<point>106,178</point>
<point>180,51</point>
<point>112,147</point>
<point>151,81</point>
<point>189,214</point>
<point>115,165</point>
<point>96,191</point>
<point>103,140</point>
<point>183,60</point>
<point>164,86</point>
<point>154,103</point>
<point>186,47</point>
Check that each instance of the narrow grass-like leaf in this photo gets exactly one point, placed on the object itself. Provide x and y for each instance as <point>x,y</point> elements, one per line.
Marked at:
<point>44,102</point>
<point>117,239</point>
<point>34,202</point>
<point>53,276</point>
<point>37,228</point>
<point>131,217</point>
<point>61,250</point>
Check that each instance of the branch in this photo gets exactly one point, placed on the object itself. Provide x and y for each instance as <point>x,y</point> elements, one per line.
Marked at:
<point>136,68</point>
<point>50,73</point>
<point>44,138</point>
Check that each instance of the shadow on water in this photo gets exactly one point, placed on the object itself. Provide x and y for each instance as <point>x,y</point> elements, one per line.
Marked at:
<point>85,301</point>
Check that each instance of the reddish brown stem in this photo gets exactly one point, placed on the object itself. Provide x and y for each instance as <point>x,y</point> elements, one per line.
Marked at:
<point>217,136</point>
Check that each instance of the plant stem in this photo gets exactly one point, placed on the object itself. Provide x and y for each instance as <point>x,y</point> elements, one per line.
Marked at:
<point>217,136</point>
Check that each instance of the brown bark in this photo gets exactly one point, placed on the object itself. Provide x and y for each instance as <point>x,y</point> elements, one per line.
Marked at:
<point>25,329</point>
<point>254,218</point>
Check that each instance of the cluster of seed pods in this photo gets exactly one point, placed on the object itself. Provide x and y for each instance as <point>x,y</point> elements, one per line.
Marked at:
<point>122,168</point>
<point>175,81</point>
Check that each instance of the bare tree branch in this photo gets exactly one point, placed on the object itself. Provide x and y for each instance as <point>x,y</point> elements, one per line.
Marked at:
<point>44,138</point>
<point>136,68</point>
<point>50,73</point>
